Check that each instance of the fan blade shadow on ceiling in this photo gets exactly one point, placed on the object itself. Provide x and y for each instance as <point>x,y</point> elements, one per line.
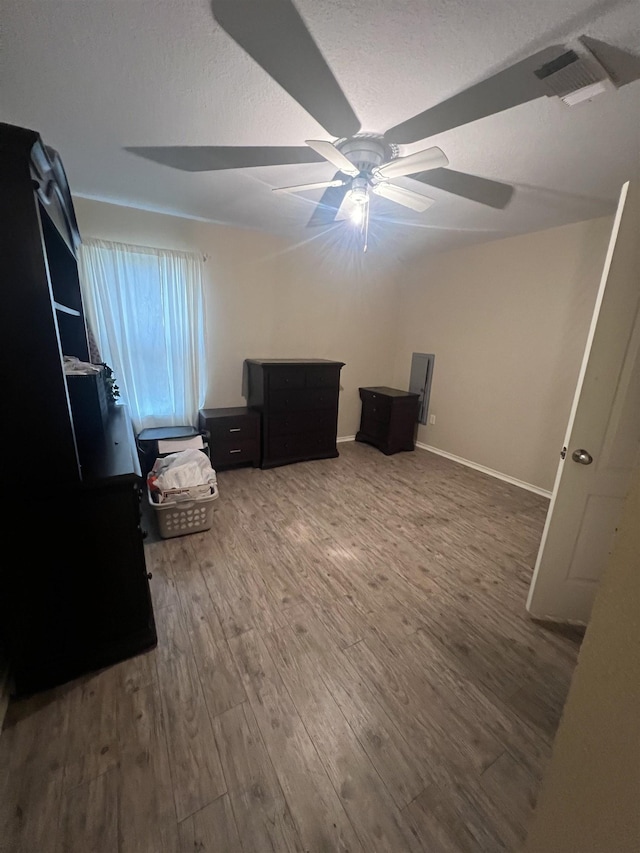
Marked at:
<point>569,205</point>
<point>210,158</point>
<point>329,205</point>
<point>276,37</point>
<point>483,190</point>
<point>509,88</point>
<point>622,66</point>
<point>565,30</point>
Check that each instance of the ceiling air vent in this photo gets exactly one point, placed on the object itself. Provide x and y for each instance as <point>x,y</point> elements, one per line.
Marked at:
<point>575,77</point>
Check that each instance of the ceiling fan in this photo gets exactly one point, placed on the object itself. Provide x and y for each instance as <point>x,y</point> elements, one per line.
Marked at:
<point>274,34</point>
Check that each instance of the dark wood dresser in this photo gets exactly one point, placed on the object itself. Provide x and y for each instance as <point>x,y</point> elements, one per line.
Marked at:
<point>234,436</point>
<point>389,419</point>
<point>298,401</point>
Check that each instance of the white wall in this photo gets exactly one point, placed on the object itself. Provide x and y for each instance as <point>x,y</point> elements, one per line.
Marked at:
<point>268,299</point>
<point>507,321</point>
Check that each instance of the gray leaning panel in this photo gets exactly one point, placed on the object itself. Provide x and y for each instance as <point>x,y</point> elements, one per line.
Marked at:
<point>420,381</point>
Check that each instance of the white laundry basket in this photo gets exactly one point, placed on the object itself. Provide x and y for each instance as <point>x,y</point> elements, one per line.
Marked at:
<point>178,517</point>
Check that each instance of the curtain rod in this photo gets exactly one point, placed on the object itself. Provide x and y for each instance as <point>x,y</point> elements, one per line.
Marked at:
<point>100,241</point>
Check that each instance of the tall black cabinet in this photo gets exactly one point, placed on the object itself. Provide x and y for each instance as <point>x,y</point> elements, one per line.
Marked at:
<point>74,589</point>
<point>298,401</point>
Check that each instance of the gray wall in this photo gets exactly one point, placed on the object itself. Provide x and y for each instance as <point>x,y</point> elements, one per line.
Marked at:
<point>507,321</point>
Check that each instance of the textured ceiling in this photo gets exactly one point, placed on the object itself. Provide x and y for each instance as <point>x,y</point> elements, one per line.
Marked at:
<point>95,76</point>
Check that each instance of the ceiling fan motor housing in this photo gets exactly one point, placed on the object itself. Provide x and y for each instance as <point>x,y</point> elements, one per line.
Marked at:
<point>367,151</point>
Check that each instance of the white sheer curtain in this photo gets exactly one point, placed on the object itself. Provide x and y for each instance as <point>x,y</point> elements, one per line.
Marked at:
<point>146,310</point>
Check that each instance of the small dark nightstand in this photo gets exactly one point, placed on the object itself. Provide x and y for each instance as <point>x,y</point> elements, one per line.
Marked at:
<point>389,419</point>
<point>234,436</point>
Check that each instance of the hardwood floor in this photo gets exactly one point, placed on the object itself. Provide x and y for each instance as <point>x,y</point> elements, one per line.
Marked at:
<point>344,664</point>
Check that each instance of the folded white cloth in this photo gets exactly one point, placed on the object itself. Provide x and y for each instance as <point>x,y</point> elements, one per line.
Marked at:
<point>188,470</point>
<point>74,367</point>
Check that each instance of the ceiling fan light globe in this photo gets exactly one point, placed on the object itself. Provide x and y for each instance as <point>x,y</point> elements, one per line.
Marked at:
<point>359,195</point>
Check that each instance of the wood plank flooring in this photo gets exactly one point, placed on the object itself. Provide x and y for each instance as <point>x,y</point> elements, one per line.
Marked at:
<point>344,664</point>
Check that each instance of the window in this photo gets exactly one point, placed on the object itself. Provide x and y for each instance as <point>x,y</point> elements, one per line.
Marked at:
<point>146,309</point>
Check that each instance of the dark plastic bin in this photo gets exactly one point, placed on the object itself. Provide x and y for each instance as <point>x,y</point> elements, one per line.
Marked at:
<point>148,439</point>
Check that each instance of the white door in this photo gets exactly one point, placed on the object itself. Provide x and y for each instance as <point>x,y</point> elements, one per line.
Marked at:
<point>602,441</point>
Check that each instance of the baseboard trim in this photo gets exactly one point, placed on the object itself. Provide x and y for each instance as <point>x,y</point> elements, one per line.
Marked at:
<point>490,471</point>
<point>344,438</point>
<point>569,627</point>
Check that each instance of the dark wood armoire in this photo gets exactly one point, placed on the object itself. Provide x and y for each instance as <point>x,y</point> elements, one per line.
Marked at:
<point>74,588</point>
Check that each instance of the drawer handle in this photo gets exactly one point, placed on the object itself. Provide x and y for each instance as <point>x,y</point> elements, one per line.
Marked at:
<point>236,451</point>
<point>235,429</point>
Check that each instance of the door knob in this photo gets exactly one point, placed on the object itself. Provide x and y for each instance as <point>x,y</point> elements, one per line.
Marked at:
<point>582,457</point>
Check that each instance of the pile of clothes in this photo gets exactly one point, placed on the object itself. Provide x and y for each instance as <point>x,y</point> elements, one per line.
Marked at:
<point>184,475</point>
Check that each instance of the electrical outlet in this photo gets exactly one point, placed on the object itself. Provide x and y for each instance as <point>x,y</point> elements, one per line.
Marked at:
<point>432,419</point>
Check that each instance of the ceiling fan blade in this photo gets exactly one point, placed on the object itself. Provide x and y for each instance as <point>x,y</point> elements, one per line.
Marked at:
<point>509,88</point>
<point>329,205</point>
<point>301,187</point>
<point>329,151</point>
<point>492,193</point>
<point>276,37</point>
<point>430,158</point>
<point>208,158</point>
<point>407,198</point>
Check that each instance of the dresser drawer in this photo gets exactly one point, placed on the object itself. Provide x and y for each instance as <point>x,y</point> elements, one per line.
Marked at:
<point>322,377</point>
<point>283,400</point>
<point>238,427</point>
<point>294,422</point>
<point>377,409</point>
<point>286,377</point>
<point>229,422</point>
<point>376,428</point>
<point>300,445</point>
<point>226,452</point>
